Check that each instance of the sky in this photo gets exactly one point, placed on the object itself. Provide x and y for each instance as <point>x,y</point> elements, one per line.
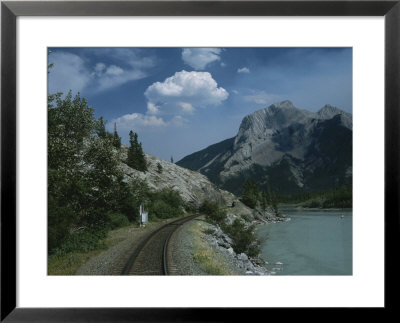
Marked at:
<point>181,100</point>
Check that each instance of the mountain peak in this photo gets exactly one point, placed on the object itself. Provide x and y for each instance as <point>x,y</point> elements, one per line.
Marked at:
<point>328,111</point>
<point>283,104</point>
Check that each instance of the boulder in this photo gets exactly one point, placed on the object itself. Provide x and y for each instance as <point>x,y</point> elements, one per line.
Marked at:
<point>243,257</point>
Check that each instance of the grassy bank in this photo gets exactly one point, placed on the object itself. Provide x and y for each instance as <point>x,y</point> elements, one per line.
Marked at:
<point>211,262</point>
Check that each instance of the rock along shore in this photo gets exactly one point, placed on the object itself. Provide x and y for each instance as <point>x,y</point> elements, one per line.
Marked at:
<point>201,248</point>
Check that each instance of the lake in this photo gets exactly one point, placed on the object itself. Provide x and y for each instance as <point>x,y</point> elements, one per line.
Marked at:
<point>313,242</point>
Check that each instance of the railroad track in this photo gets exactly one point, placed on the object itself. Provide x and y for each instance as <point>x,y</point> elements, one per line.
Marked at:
<point>151,255</point>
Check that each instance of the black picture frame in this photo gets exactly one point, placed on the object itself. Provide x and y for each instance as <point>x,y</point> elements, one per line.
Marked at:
<point>10,10</point>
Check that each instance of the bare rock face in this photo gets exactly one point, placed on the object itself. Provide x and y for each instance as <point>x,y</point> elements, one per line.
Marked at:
<point>328,112</point>
<point>283,145</point>
<point>193,187</point>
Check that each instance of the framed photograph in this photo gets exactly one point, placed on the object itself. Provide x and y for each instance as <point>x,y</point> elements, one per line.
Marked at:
<point>267,122</point>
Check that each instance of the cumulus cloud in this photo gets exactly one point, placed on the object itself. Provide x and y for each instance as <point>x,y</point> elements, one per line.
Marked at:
<point>183,92</point>
<point>199,58</point>
<point>114,70</point>
<point>152,108</point>
<point>142,122</point>
<point>186,107</point>
<point>99,68</point>
<point>76,72</point>
<point>138,121</point>
<point>261,97</point>
<point>177,121</point>
<point>243,70</point>
<point>180,94</point>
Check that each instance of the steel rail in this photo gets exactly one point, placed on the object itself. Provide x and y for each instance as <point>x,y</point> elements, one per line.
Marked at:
<point>144,242</point>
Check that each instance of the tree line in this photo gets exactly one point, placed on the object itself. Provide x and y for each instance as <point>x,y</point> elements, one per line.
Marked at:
<point>253,197</point>
<point>337,197</point>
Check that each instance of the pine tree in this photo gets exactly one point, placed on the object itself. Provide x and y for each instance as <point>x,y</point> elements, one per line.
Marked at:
<point>159,168</point>
<point>250,194</point>
<point>263,201</point>
<point>116,138</point>
<point>269,194</point>
<point>172,159</point>
<point>136,157</point>
<point>274,203</point>
<point>132,151</point>
<point>101,129</point>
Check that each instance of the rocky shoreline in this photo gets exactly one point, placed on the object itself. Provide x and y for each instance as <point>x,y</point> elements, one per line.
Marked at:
<point>223,243</point>
<point>218,245</point>
<point>250,266</point>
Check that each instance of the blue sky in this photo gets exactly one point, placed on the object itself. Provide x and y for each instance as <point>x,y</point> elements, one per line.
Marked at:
<point>181,100</point>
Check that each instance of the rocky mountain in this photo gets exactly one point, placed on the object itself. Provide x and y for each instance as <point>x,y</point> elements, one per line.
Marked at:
<point>193,187</point>
<point>293,149</point>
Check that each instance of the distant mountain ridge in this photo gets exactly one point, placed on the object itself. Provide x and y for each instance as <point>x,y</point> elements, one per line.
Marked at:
<point>292,149</point>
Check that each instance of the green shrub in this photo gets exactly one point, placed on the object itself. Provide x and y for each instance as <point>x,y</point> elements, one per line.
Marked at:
<point>214,214</point>
<point>244,239</point>
<point>162,210</point>
<point>117,220</point>
<point>209,231</point>
<point>190,207</point>
<point>245,218</point>
<point>165,204</point>
<point>171,197</point>
<point>208,207</point>
<point>218,216</point>
<point>59,219</point>
<point>82,241</point>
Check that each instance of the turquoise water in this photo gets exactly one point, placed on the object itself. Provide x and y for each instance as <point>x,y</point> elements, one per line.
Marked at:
<point>313,242</point>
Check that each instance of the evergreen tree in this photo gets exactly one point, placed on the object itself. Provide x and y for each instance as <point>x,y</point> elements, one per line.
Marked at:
<point>101,128</point>
<point>274,204</point>
<point>136,157</point>
<point>132,162</point>
<point>172,159</point>
<point>269,194</point>
<point>263,201</point>
<point>116,138</point>
<point>250,194</point>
